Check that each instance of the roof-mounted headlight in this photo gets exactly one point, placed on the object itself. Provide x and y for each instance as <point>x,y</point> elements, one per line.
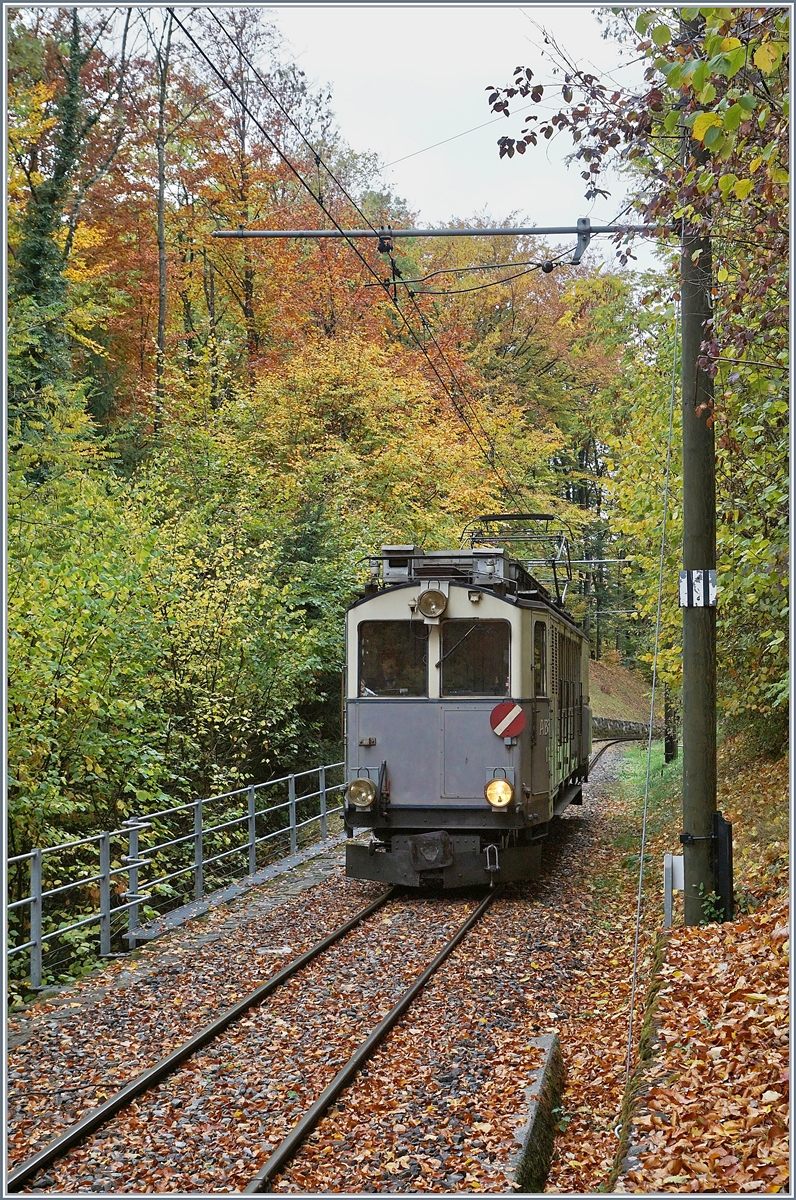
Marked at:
<point>432,603</point>
<point>499,793</point>
<point>361,793</point>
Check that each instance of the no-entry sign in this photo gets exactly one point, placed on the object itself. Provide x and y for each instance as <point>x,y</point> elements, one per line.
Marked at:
<point>507,719</point>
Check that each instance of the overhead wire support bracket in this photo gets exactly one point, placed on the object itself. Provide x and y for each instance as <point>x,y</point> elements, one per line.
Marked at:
<point>584,237</point>
<point>584,231</point>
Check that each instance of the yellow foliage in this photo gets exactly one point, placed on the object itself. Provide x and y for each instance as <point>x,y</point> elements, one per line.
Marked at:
<point>85,238</point>
<point>703,123</point>
<point>363,428</point>
<point>28,121</point>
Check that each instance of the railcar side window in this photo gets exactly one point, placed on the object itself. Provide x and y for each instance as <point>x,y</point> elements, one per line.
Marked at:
<point>539,659</point>
<point>475,658</point>
<point>393,658</point>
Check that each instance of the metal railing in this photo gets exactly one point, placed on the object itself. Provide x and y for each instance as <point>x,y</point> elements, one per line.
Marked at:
<point>146,864</point>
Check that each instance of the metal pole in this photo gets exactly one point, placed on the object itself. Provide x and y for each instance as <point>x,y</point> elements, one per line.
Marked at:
<point>198,885</point>
<point>132,879</point>
<point>105,893</point>
<point>252,835</point>
<point>35,920</point>
<point>322,789</point>
<point>584,227</point>
<point>699,553</point>
<point>291,794</point>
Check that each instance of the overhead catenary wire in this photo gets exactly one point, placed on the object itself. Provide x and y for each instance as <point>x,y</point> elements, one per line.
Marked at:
<point>469,270</point>
<point>488,451</point>
<point>444,142</point>
<point>492,456</point>
<point>319,161</point>
<point>548,264</point>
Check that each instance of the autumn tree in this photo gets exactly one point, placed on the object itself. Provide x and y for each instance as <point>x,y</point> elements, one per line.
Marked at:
<point>706,139</point>
<point>66,128</point>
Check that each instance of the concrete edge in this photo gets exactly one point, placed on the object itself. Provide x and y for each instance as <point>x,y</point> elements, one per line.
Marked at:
<point>530,1165</point>
<point>179,916</point>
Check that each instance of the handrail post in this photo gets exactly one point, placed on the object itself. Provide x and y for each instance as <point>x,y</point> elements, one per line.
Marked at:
<point>132,880</point>
<point>105,893</point>
<point>35,920</point>
<point>291,793</point>
<point>322,790</point>
<point>252,832</point>
<point>198,852</point>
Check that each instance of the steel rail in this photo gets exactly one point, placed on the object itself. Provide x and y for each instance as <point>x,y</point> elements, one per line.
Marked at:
<point>301,1131</point>
<point>166,1066</point>
<point>607,746</point>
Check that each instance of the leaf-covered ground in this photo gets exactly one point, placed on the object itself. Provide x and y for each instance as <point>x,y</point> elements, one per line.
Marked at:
<point>715,1113</point>
<point>211,1124</point>
<point>71,1051</point>
<point>437,1108</point>
<point>440,1106</point>
<point>617,693</point>
<point>712,1114</point>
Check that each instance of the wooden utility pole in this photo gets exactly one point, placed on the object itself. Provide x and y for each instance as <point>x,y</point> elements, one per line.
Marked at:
<point>699,556</point>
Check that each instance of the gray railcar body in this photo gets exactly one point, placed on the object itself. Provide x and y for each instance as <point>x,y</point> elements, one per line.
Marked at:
<point>422,699</point>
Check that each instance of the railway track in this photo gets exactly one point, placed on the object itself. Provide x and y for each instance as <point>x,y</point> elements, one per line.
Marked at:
<point>274,1158</point>
<point>97,1124</point>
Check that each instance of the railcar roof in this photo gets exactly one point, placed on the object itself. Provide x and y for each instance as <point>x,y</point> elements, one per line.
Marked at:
<point>489,569</point>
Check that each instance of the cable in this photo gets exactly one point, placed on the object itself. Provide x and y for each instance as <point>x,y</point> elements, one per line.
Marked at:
<point>652,699</point>
<point>444,142</point>
<point>492,458</point>
<point>491,455</point>
<point>319,162</point>
<point>480,267</point>
<point>488,454</point>
<point>549,264</point>
<point>478,287</point>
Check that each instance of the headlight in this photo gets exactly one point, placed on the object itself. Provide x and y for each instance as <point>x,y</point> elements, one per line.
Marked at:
<point>499,793</point>
<point>361,793</point>
<point>432,603</point>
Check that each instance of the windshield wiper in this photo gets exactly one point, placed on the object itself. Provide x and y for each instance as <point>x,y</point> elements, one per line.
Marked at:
<point>456,645</point>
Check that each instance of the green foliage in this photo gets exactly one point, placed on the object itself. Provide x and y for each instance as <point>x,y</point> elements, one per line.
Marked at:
<point>717,81</point>
<point>78,640</point>
<point>182,631</point>
<point>712,906</point>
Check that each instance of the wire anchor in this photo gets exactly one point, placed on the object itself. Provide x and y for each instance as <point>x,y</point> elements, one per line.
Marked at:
<point>584,237</point>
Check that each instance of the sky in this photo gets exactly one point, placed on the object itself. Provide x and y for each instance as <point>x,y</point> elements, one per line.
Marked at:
<point>405,77</point>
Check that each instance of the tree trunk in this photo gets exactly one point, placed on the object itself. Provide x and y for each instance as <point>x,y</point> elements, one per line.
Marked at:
<point>209,280</point>
<point>162,57</point>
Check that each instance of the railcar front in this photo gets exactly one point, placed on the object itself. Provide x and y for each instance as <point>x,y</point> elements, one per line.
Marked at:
<point>455,752</point>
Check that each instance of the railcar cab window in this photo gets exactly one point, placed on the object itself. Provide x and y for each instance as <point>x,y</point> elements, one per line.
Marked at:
<point>393,658</point>
<point>474,658</point>
<point>539,659</point>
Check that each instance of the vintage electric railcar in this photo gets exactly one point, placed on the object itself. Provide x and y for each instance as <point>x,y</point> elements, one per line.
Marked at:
<point>467,716</point>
